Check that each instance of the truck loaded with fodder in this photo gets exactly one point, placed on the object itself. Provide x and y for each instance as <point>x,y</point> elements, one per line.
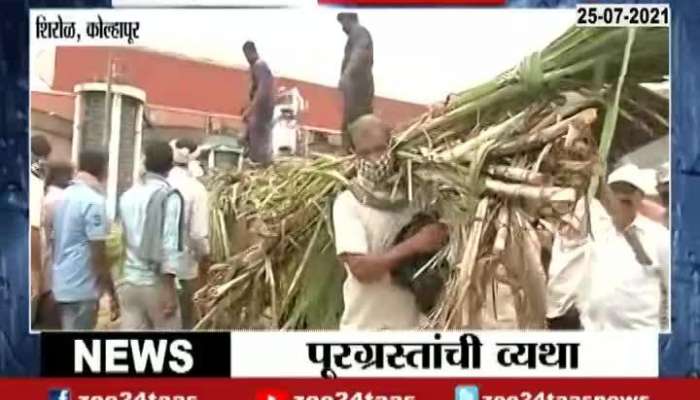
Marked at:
<point>502,163</point>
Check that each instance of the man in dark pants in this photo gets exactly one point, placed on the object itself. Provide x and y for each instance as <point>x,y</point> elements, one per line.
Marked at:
<point>258,116</point>
<point>356,80</point>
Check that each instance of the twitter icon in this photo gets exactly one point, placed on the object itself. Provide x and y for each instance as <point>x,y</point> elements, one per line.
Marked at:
<point>467,393</point>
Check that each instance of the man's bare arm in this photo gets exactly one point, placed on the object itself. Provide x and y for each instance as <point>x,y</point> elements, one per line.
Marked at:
<point>100,266</point>
<point>370,267</point>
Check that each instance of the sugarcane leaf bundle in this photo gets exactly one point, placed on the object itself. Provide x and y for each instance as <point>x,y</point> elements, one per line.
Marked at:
<point>502,164</point>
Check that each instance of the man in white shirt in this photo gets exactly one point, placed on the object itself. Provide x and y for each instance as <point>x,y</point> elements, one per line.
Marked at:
<point>196,225</point>
<point>571,251</point>
<point>367,219</point>
<point>40,150</point>
<point>58,177</point>
<point>615,272</point>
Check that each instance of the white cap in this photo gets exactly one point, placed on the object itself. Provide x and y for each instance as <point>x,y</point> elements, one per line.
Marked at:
<point>642,179</point>
<point>181,155</point>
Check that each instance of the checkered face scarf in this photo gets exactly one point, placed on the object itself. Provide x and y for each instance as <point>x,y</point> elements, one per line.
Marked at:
<point>376,172</point>
<point>378,183</point>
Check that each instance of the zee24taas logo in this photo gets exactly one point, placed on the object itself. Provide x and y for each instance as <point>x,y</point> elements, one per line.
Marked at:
<point>59,394</point>
<point>467,393</point>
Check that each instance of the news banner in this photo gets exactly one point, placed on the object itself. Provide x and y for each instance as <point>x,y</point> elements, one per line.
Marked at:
<point>499,108</point>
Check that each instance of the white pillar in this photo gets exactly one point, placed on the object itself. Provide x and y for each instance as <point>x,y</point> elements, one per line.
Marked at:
<point>77,118</point>
<point>137,142</point>
<point>113,170</point>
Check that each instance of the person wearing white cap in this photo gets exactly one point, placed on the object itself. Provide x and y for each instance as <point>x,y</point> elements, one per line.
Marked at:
<point>615,272</point>
<point>625,284</point>
<point>196,225</point>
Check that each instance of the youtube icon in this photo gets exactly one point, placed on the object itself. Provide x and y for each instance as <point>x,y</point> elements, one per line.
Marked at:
<point>272,394</point>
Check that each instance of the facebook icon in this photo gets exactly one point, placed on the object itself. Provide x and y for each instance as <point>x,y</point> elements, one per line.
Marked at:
<point>467,393</point>
<point>59,394</point>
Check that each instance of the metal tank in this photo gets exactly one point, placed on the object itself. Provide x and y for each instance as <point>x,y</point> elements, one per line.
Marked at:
<point>122,106</point>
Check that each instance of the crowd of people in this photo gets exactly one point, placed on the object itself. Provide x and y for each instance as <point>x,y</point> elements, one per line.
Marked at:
<point>609,262</point>
<point>164,218</point>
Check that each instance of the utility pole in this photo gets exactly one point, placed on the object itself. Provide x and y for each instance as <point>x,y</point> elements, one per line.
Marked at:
<point>108,102</point>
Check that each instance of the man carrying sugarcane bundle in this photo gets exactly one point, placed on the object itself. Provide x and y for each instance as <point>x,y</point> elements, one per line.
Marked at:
<point>258,116</point>
<point>367,218</point>
<point>356,80</point>
<point>615,268</point>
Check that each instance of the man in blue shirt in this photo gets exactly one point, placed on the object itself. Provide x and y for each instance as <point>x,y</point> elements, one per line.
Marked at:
<point>151,215</point>
<point>80,269</point>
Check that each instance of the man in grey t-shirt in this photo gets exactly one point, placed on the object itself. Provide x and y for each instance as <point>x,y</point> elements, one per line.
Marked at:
<point>258,116</point>
<point>356,79</point>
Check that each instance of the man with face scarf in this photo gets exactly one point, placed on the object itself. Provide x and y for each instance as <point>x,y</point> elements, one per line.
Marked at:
<point>356,79</point>
<point>367,218</point>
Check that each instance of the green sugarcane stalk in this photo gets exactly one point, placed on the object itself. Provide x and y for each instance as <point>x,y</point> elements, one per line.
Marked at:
<point>610,124</point>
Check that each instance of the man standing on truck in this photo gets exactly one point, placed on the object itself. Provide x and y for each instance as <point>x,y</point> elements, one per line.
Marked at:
<point>356,80</point>
<point>258,116</point>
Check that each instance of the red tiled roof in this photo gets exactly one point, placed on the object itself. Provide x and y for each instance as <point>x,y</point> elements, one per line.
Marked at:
<point>195,85</point>
<point>172,117</point>
<point>62,104</point>
<point>59,103</point>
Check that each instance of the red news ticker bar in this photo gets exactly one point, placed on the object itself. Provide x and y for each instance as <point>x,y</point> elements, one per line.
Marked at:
<point>315,389</point>
<point>413,2</point>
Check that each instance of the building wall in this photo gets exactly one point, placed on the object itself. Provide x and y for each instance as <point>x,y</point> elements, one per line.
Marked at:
<point>189,84</point>
<point>169,133</point>
<point>58,131</point>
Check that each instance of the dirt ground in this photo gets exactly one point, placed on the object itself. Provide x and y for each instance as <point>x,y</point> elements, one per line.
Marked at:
<point>504,305</point>
<point>506,318</point>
